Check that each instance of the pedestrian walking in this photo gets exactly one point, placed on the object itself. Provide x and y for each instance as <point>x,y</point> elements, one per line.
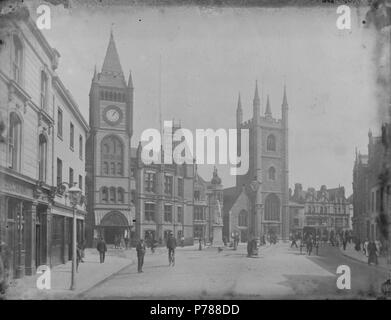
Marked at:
<point>183,241</point>
<point>171,245</point>
<point>316,244</point>
<point>309,245</point>
<point>102,248</point>
<point>372,253</point>
<point>78,256</point>
<point>140,248</point>
<point>200,244</point>
<point>344,243</point>
<point>294,242</point>
<point>121,242</point>
<point>126,242</point>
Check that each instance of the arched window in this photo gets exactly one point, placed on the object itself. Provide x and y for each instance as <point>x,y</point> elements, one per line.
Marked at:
<point>272,173</point>
<point>120,195</point>
<point>113,194</point>
<point>272,208</point>
<point>104,194</point>
<point>42,158</point>
<point>271,143</point>
<point>14,141</point>
<point>17,63</point>
<point>112,156</point>
<point>243,219</point>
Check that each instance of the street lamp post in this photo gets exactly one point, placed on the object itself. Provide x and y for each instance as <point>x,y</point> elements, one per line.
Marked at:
<point>75,194</point>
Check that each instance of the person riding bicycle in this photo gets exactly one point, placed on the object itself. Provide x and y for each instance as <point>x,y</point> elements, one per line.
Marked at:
<point>171,245</point>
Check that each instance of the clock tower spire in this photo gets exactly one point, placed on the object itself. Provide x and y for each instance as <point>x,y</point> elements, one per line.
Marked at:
<point>108,149</point>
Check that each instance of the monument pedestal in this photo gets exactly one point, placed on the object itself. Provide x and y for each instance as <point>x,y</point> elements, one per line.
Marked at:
<point>218,235</point>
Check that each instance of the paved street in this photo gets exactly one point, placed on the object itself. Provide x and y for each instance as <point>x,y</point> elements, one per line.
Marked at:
<point>278,272</point>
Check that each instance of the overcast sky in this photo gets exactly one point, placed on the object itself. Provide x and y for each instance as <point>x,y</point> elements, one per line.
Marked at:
<point>209,55</point>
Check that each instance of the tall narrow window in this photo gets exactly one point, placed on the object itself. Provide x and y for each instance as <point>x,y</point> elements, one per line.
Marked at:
<point>272,173</point>
<point>113,194</point>
<point>271,143</point>
<point>80,182</point>
<point>272,207</point>
<point>180,187</point>
<point>243,219</point>
<point>120,195</point>
<point>112,156</point>
<point>71,136</point>
<point>168,185</point>
<point>149,211</point>
<point>119,168</point>
<point>81,147</point>
<point>59,171</point>
<point>14,141</point>
<point>104,194</point>
<point>59,122</point>
<point>42,158</point>
<point>167,213</point>
<point>180,214</point>
<point>70,177</point>
<point>17,60</point>
<point>149,181</point>
<point>44,89</point>
<point>105,168</point>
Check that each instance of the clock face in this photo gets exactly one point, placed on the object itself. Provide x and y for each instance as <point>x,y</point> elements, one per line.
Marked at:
<point>112,115</point>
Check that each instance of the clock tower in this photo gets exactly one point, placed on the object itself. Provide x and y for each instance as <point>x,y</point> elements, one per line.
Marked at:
<point>108,147</point>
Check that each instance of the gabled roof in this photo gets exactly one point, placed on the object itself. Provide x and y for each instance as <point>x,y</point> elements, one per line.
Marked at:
<point>230,196</point>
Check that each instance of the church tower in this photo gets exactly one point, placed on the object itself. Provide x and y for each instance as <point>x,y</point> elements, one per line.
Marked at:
<point>266,182</point>
<point>110,209</point>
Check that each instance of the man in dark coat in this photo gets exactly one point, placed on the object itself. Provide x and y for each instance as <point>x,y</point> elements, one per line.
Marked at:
<point>140,248</point>
<point>372,253</point>
<point>171,245</point>
<point>309,244</point>
<point>102,248</point>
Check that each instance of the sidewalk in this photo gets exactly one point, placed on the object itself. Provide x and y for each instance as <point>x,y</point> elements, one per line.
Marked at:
<point>90,273</point>
<point>360,256</point>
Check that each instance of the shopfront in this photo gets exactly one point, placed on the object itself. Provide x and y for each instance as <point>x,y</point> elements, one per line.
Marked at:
<point>24,208</point>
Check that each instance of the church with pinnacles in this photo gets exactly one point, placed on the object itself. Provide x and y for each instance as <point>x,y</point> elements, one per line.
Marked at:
<point>258,205</point>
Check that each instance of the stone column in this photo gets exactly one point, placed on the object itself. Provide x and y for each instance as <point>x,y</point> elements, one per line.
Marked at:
<point>46,235</point>
<point>30,215</point>
<point>3,219</point>
<point>20,251</point>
